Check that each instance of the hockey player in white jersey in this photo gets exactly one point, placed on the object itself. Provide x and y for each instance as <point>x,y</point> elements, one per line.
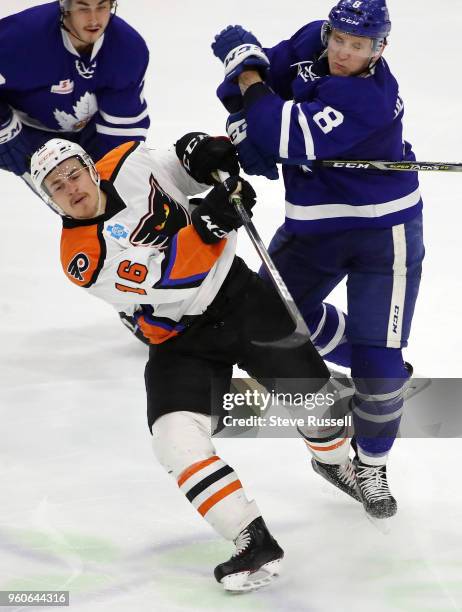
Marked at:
<point>129,239</point>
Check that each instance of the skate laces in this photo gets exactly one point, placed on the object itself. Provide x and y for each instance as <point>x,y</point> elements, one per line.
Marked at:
<point>347,474</point>
<point>373,482</point>
<point>241,542</point>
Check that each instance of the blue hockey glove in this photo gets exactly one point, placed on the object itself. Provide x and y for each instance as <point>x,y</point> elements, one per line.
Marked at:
<point>230,96</point>
<point>14,146</point>
<point>239,50</point>
<point>250,158</point>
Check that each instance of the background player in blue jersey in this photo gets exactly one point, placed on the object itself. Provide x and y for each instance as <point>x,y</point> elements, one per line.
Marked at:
<point>328,93</point>
<point>70,67</point>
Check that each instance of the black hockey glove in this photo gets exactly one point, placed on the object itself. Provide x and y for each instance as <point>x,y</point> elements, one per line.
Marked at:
<point>216,216</point>
<point>202,154</point>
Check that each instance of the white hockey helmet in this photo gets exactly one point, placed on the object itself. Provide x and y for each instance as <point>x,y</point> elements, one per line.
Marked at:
<point>50,155</point>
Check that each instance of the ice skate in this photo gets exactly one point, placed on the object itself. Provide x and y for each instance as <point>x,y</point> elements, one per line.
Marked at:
<point>256,561</point>
<point>373,490</point>
<point>341,476</point>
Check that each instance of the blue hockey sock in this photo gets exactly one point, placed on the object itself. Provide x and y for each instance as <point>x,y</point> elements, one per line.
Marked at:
<point>379,376</point>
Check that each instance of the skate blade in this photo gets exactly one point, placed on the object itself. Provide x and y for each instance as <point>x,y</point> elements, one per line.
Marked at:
<point>381,524</point>
<point>246,581</point>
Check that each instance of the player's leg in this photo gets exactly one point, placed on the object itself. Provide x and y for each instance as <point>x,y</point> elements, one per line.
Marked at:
<point>382,292</point>
<point>184,378</point>
<point>312,266</point>
<point>184,448</point>
<point>298,371</point>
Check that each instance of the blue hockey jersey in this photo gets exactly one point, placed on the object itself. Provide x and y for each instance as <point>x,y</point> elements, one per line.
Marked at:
<point>307,114</point>
<point>53,88</point>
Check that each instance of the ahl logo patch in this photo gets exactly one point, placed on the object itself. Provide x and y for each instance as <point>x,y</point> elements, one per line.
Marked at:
<point>63,87</point>
<point>78,266</point>
<point>117,231</point>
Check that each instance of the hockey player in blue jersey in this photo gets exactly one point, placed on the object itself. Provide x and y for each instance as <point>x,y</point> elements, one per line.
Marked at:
<point>328,93</point>
<point>71,68</point>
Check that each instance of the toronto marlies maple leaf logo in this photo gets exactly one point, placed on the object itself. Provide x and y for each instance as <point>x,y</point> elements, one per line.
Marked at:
<point>84,110</point>
<point>79,264</point>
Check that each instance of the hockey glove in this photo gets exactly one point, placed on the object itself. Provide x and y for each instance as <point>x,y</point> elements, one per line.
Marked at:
<point>239,50</point>
<point>216,216</point>
<point>250,158</point>
<point>14,146</point>
<point>202,154</point>
<point>130,323</point>
<point>230,96</point>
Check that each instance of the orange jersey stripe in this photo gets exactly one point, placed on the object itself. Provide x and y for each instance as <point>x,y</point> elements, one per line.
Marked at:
<point>218,496</point>
<point>326,448</point>
<point>193,257</point>
<point>156,334</point>
<point>111,160</point>
<point>82,253</point>
<point>194,468</point>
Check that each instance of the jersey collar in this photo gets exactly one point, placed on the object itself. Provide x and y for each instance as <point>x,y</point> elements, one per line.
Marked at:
<point>70,47</point>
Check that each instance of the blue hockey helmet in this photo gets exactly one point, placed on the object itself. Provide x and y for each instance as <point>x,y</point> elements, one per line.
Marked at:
<point>367,18</point>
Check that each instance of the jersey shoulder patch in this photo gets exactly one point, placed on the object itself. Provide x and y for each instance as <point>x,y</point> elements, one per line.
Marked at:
<point>108,167</point>
<point>83,252</point>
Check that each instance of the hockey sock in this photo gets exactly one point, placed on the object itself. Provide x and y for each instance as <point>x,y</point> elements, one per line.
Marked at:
<point>214,489</point>
<point>379,376</point>
<point>182,444</point>
<point>330,443</point>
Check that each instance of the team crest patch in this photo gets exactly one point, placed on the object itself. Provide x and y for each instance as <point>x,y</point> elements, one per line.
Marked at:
<point>78,266</point>
<point>64,87</point>
<point>117,231</point>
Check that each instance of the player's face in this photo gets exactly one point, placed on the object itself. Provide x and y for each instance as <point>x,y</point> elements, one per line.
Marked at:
<point>87,19</point>
<point>72,188</point>
<point>349,55</point>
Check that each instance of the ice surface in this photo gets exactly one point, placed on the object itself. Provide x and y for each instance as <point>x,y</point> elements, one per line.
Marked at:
<point>85,507</point>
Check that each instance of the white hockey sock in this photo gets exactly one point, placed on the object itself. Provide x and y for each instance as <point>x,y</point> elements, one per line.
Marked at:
<point>182,444</point>
<point>330,445</point>
<point>369,459</point>
<point>216,492</point>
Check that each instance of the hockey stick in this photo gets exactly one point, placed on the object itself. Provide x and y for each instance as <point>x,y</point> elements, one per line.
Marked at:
<point>402,166</point>
<point>301,334</point>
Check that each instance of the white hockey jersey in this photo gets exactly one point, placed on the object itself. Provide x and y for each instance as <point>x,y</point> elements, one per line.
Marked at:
<point>142,255</point>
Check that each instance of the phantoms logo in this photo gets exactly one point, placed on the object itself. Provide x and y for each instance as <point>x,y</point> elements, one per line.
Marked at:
<point>78,266</point>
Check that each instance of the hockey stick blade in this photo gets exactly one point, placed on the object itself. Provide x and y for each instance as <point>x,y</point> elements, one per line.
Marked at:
<point>301,333</point>
<point>401,166</point>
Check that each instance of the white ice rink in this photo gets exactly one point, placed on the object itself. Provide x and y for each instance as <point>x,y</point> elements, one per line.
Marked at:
<point>84,506</point>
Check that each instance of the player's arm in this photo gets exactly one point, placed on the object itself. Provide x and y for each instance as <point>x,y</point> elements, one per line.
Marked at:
<point>192,164</point>
<point>122,110</point>
<point>278,65</point>
<point>147,274</point>
<point>328,126</point>
<point>15,149</point>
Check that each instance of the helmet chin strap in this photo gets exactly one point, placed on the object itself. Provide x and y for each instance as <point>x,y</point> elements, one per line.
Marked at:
<point>97,180</point>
